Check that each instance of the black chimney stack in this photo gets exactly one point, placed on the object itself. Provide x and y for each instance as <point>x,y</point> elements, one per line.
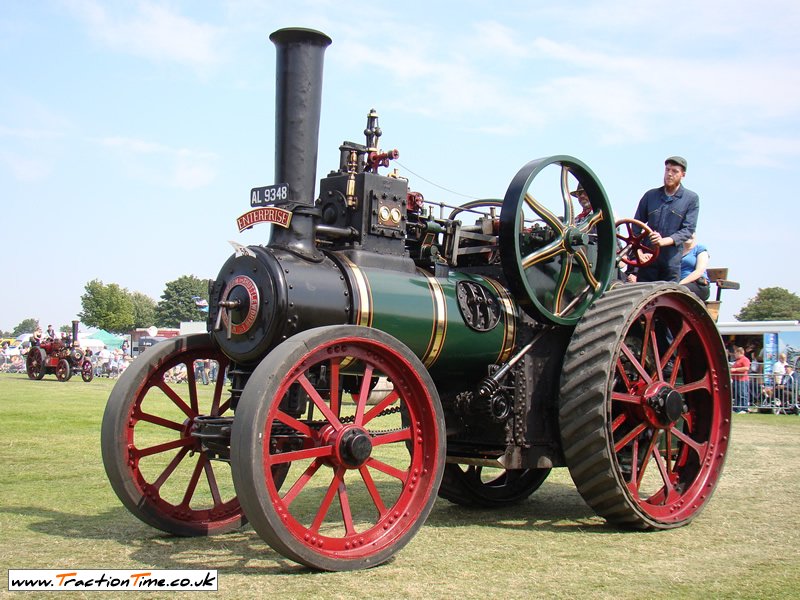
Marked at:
<point>298,101</point>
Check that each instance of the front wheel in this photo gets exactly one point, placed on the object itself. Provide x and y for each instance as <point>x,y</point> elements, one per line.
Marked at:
<point>63,370</point>
<point>360,478</point>
<point>645,407</point>
<point>157,468</point>
<point>87,372</point>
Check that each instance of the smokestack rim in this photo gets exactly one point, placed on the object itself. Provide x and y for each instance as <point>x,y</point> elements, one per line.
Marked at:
<point>290,35</point>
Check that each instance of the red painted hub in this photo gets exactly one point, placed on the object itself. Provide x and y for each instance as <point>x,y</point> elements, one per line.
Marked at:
<point>663,404</point>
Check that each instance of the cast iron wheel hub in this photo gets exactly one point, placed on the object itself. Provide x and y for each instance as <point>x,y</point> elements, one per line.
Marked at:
<point>354,447</point>
<point>575,239</point>
<point>666,402</point>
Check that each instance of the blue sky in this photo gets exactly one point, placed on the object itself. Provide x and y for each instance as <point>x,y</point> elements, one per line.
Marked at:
<point>132,132</point>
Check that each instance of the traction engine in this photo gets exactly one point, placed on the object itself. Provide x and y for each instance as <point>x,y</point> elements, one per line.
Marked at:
<point>381,350</point>
<point>60,358</point>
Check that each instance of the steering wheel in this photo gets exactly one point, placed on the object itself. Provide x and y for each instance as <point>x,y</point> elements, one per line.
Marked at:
<point>635,249</point>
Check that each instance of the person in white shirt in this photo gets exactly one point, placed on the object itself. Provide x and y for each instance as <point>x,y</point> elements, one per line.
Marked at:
<point>779,367</point>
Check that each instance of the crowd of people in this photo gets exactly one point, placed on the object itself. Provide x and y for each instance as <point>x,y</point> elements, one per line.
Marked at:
<point>753,390</point>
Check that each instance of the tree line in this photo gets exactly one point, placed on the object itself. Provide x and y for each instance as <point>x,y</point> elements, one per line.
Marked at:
<point>117,310</point>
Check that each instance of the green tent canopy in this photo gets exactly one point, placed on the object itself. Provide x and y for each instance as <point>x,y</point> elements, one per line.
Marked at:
<point>109,339</point>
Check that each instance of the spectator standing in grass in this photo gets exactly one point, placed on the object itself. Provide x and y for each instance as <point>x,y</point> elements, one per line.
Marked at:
<point>740,374</point>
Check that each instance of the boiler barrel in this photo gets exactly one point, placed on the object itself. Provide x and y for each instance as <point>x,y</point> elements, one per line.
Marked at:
<point>456,324</point>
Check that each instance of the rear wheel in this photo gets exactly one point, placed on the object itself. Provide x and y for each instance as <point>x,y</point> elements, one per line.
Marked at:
<point>489,487</point>
<point>362,478</point>
<point>157,468</point>
<point>34,363</point>
<point>645,407</point>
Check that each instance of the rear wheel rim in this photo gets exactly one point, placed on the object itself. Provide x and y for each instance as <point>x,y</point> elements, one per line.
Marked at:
<point>665,418</point>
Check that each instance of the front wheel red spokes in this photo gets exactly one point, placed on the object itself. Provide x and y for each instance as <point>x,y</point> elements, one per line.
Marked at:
<point>362,471</point>
<point>157,467</point>
<point>660,424</point>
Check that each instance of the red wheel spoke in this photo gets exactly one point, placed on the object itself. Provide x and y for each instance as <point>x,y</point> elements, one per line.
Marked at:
<point>635,463</point>
<point>192,382</point>
<point>173,464</point>
<point>631,435</point>
<point>627,398</point>
<point>363,395</point>
<point>651,448</point>
<point>344,504</point>
<point>284,457</point>
<point>223,408</point>
<point>380,406</point>
<point>699,447</point>
<point>676,369</point>
<point>635,363</point>
<point>294,424</point>
<point>659,373</point>
<point>388,469</point>
<point>219,386</point>
<point>319,402</point>
<point>155,420</point>
<point>401,435</point>
<point>373,490</point>
<point>190,489</point>
<point>621,371</point>
<point>178,443</point>
<point>176,399</point>
<point>663,470</point>
<point>301,482</point>
<point>704,383</point>
<point>336,406</point>
<point>326,501</point>
<point>618,421</point>
<point>676,342</point>
<point>212,482</point>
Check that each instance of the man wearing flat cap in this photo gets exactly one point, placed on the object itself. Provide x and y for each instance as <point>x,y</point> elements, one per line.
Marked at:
<point>671,212</point>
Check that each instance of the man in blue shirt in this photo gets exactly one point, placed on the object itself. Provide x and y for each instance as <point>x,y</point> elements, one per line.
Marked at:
<point>671,212</point>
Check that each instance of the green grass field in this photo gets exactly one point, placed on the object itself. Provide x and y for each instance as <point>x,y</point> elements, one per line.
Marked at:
<point>57,510</point>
